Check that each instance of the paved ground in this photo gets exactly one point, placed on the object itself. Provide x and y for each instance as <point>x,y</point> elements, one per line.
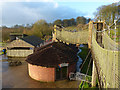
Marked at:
<point>17,77</point>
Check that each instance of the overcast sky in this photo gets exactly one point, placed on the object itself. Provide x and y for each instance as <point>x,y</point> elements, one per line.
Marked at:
<point>28,12</point>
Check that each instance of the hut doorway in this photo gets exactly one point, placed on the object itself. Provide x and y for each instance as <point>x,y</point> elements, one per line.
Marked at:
<point>61,73</point>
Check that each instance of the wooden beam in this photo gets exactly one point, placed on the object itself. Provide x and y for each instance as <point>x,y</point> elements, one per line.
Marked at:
<point>94,75</point>
<point>90,34</point>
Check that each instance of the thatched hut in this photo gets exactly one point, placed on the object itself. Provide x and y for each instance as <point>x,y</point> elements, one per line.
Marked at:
<point>52,62</point>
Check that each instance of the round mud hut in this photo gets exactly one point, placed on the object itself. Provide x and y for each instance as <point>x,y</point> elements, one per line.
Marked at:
<point>52,62</point>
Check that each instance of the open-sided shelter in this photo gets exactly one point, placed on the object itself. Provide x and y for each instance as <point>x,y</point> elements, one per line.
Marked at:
<point>22,47</point>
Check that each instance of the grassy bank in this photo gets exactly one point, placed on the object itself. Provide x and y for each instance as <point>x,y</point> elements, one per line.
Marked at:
<point>83,55</point>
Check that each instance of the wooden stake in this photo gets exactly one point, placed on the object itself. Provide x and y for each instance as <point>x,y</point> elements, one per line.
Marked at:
<point>94,75</point>
<point>54,34</point>
<point>90,34</point>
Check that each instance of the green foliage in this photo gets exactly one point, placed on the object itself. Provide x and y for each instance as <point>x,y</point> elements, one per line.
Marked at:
<point>66,22</point>
<point>81,84</point>
<point>15,29</point>
<point>71,28</point>
<point>107,13</point>
<point>58,22</point>
<point>69,22</point>
<point>1,53</point>
<point>88,78</point>
<point>117,31</point>
<point>83,55</point>
<point>84,52</point>
<point>81,20</point>
<point>88,86</point>
<point>84,85</point>
<point>72,21</point>
<point>41,28</point>
<point>77,28</point>
<point>5,33</point>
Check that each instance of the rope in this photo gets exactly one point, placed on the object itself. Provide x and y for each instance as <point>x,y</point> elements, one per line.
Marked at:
<point>114,22</point>
<point>87,70</point>
<point>102,30</point>
<point>105,74</point>
<point>88,66</point>
<point>85,59</point>
<point>114,56</point>
<point>109,27</point>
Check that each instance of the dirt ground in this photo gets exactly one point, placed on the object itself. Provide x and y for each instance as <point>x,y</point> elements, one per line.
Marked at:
<point>17,77</point>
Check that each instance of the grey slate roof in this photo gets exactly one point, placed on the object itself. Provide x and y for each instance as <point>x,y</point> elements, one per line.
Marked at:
<point>33,40</point>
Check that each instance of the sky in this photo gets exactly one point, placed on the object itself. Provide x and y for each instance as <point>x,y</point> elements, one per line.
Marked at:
<point>20,12</point>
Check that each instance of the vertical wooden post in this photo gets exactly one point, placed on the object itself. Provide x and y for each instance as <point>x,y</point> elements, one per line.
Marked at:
<point>94,75</point>
<point>100,27</point>
<point>90,34</point>
<point>77,45</point>
<point>103,24</point>
<point>54,34</point>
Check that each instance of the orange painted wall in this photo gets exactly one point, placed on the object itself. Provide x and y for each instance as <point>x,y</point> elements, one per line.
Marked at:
<point>41,73</point>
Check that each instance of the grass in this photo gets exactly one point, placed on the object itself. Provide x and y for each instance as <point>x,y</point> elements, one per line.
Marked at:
<point>1,53</point>
<point>83,55</point>
<point>88,85</point>
<point>112,34</point>
<point>2,43</point>
<point>71,28</point>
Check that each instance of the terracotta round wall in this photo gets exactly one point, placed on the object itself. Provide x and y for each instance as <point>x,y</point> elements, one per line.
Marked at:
<point>41,73</point>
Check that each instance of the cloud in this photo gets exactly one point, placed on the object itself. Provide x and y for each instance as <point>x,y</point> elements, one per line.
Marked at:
<point>56,5</point>
<point>59,0</point>
<point>29,12</point>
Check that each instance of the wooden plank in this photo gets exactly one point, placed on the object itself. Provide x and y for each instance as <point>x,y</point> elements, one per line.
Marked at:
<point>94,75</point>
<point>19,53</point>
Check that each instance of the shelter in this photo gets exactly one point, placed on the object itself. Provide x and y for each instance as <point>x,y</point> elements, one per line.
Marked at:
<point>52,62</point>
<point>14,36</point>
<point>22,47</point>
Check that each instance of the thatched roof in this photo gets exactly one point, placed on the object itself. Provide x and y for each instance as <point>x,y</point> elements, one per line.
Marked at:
<point>52,55</point>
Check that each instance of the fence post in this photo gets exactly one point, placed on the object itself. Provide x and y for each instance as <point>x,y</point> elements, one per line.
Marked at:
<point>54,34</point>
<point>100,27</point>
<point>94,75</point>
<point>90,34</point>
